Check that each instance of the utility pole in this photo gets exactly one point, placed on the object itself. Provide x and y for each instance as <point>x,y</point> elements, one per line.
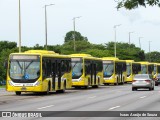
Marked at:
<point>115,37</point>
<point>46,22</point>
<point>149,52</point>
<point>19,26</point>
<point>74,36</point>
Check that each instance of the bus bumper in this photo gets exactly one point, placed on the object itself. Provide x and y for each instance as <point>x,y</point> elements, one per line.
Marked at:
<point>80,83</point>
<point>24,88</point>
<point>109,81</point>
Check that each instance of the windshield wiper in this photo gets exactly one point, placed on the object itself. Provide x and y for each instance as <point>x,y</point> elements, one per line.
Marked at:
<point>106,67</point>
<point>75,64</point>
<point>29,64</point>
<point>19,64</point>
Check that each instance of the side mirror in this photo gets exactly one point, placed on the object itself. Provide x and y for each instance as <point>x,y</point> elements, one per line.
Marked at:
<point>5,64</point>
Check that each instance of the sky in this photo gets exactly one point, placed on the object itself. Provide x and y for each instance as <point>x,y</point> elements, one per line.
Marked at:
<point>97,21</point>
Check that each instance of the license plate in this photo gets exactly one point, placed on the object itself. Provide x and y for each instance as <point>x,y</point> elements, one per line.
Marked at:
<point>140,81</point>
<point>23,88</point>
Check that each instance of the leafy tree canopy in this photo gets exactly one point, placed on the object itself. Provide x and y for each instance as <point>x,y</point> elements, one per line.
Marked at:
<point>126,51</point>
<point>6,44</point>
<point>78,37</point>
<point>132,4</point>
<point>153,56</point>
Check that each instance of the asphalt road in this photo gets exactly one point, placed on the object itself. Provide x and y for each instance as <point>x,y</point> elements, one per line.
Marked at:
<point>104,98</point>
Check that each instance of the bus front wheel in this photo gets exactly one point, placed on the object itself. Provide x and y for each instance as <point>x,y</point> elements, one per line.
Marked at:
<point>63,90</point>
<point>18,93</point>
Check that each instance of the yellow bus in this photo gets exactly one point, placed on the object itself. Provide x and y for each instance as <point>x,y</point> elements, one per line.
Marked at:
<point>38,71</point>
<point>146,67</point>
<point>132,69</point>
<point>114,71</point>
<point>86,71</point>
<point>156,70</point>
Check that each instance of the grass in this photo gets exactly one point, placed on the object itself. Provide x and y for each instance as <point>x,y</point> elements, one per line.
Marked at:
<point>2,86</point>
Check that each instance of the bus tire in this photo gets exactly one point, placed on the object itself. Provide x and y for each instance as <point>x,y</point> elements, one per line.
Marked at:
<point>64,88</point>
<point>123,81</point>
<point>48,89</point>
<point>87,86</point>
<point>116,82</point>
<point>77,87</point>
<point>89,82</point>
<point>95,86</point>
<point>18,93</point>
<point>106,84</point>
<point>99,81</point>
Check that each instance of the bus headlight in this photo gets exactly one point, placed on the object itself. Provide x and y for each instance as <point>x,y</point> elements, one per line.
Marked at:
<point>111,77</point>
<point>37,83</point>
<point>10,83</point>
<point>76,80</point>
<point>80,79</point>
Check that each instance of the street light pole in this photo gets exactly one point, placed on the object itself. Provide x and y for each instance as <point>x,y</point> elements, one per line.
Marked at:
<point>74,37</point>
<point>149,52</point>
<point>19,26</point>
<point>46,22</point>
<point>140,42</point>
<point>115,39</point>
<point>130,37</point>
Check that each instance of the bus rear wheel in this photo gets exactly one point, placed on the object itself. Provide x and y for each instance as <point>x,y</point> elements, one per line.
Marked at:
<point>18,93</point>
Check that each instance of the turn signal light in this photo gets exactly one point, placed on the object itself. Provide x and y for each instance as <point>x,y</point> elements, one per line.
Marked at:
<point>133,80</point>
<point>148,81</point>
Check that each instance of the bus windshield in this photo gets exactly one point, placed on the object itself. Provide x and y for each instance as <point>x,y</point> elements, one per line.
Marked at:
<point>155,69</point>
<point>128,69</point>
<point>143,69</point>
<point>77,69</point>
<point>108,69</point>
<point>27,69</point>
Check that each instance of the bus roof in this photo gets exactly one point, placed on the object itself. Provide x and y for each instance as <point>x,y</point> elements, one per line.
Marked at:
<point>143,62</point>
<point>129,60</point>
<point>44,53</point>
<point>40,51</point>
<point>110,58</point>
<point>85,56</point>
<point>81,55</point>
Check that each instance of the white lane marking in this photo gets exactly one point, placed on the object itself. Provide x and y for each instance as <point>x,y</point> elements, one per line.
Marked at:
<point>92,97</point>
<point>114,107</point>
<point>143,97</point>
<point>45,107</point>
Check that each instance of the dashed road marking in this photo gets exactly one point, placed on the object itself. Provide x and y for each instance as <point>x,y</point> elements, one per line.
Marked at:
<point>114,107</point>
<point>92,97</point>
<point>143,97</point>
<point>45,107</point>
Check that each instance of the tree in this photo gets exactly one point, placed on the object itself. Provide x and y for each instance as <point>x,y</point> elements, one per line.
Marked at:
<point>38,47</point>
<point>78,37</point>
<point>55,48</point>
<point>132,4</point>
<point>4,58</point>
<point>153,56</point>
<point>67,48</point>
<point>126,51</point>
<point>7,45</point>
<point>98,53</point>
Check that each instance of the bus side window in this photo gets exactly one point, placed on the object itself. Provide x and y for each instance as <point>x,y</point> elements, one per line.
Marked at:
<point>69,65</point>
<point>64,66</point>
<point>43,68</point>
<point>49,65</point>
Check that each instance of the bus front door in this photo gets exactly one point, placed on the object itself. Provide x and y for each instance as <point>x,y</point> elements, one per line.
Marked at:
<point>56,73</point>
